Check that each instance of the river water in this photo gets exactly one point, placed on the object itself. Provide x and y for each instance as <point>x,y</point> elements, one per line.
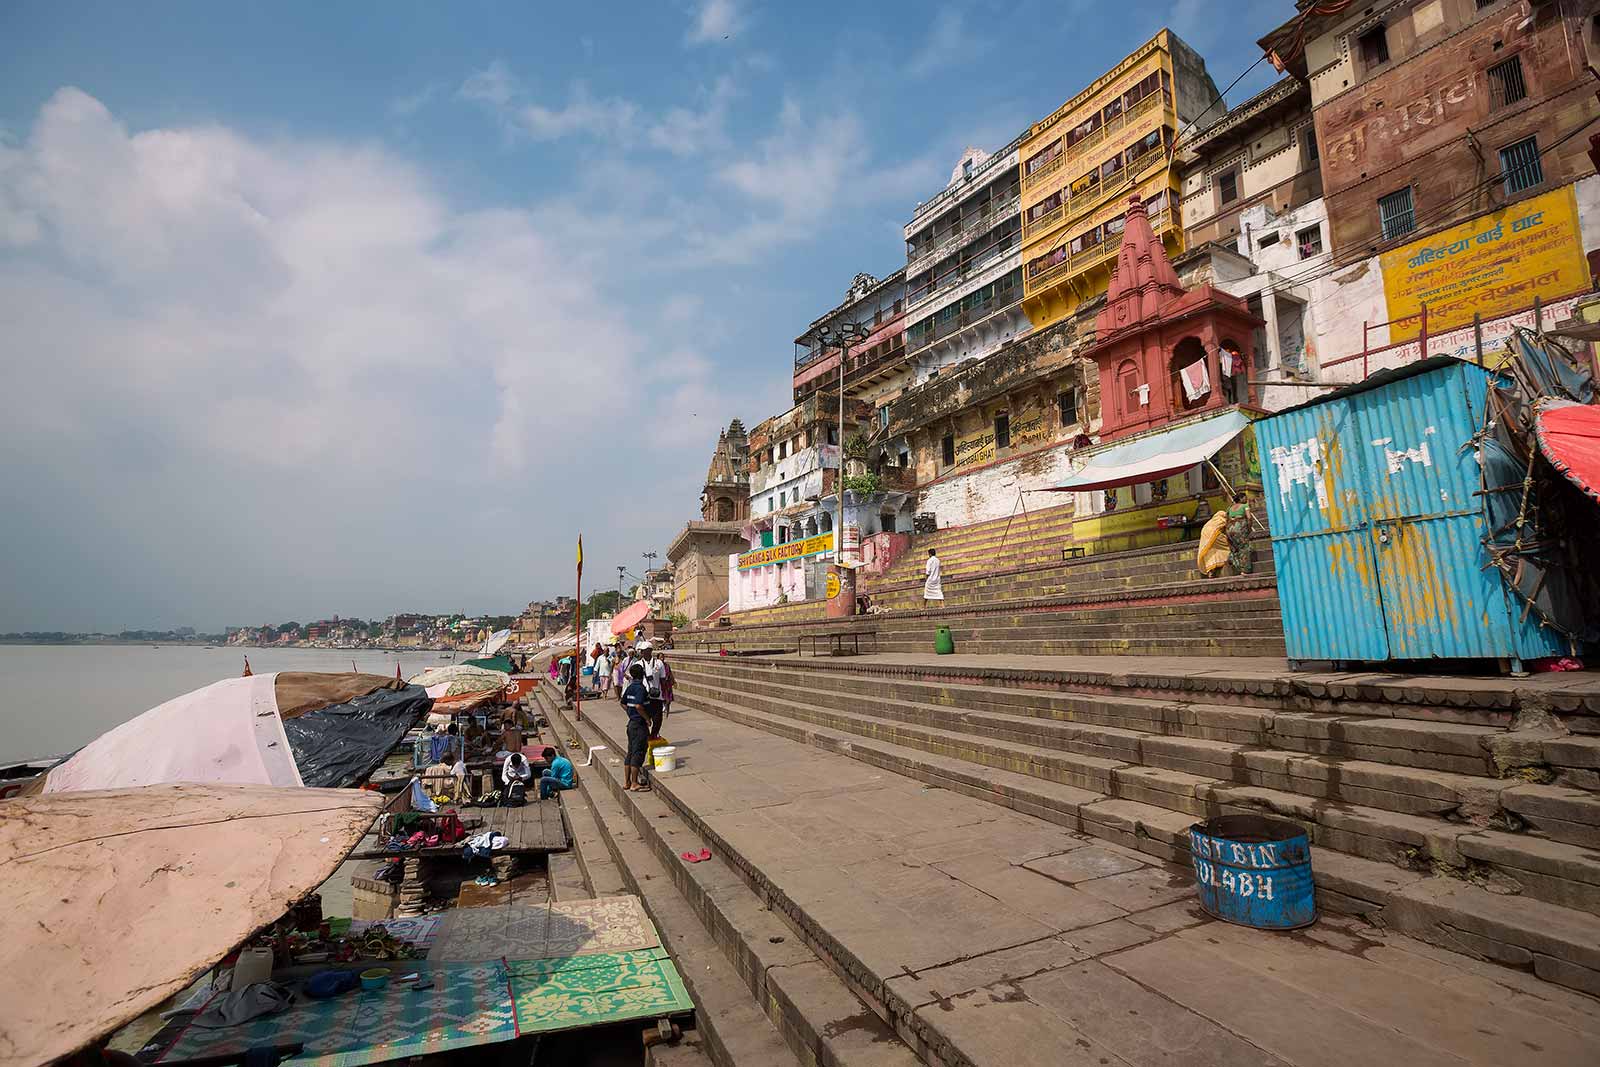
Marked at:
<point>54,698</point>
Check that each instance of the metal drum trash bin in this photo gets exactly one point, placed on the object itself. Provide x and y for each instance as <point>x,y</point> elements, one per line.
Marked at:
<point>1254,871</point>
<point>943,643</point>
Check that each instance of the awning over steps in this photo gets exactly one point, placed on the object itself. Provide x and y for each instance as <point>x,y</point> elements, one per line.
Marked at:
<point>1144,459</point>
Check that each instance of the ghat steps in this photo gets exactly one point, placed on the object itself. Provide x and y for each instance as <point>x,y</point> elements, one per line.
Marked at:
<point>1403,793</point>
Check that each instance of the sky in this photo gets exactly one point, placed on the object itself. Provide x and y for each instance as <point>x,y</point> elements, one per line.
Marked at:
<point>361,308</point>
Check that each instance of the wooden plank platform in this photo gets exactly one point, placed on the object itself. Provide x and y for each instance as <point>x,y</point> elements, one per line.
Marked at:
<point>535,827</point>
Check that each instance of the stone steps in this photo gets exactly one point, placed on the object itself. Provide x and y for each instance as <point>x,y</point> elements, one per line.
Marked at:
<point>1201,778</point>
<point>777,1002</point>
<point>986,562</point>
<point>979,576</point>
<point>1559,943</point>
<point>1237,618</point>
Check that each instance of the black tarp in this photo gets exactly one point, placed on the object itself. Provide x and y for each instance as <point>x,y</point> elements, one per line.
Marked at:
<point>339,745</point>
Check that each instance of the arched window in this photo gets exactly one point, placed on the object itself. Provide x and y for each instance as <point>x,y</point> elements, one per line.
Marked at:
<point>1186,353</point>
<point>827,522</point>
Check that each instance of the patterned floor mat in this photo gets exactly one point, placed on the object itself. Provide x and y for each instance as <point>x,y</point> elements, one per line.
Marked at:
<point>562,994</point>
<point>469,1004</point>
<point>556,931</point>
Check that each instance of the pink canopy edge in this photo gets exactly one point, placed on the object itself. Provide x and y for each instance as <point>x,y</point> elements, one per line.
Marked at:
<point>629,617</point>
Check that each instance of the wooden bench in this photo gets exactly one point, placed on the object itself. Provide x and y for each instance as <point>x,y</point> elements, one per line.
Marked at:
<point>836,639</point>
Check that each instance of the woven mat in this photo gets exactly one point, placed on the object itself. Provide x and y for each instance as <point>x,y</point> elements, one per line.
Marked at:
<point>556,931</point>
<point>469,1004</point>
<point>592,990</point>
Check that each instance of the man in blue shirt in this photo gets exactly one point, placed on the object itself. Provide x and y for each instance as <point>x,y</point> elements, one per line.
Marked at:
<point>636,699</point>
<point>557,775</point>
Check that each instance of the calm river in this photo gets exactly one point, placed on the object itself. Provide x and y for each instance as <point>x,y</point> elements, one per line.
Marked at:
<point>54,698</point>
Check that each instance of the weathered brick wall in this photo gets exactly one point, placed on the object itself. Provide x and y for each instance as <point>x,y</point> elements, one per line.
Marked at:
<point>1408,125</point>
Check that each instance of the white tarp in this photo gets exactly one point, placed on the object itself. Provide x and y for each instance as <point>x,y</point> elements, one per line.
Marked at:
<point>229,731</point>
<point>1159,455</point>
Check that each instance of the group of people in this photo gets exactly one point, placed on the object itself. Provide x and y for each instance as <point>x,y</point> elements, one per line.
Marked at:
<point>516,775</point>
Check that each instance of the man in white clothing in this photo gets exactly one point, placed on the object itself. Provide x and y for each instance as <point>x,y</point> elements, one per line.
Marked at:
<point>931,588</point>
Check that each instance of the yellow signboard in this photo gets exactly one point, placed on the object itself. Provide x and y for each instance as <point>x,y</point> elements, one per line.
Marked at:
<point>1028,427</point>
<point>975,448</point>
<point>833,585</point>
<point>811,546</point>
<point>1490,266</point>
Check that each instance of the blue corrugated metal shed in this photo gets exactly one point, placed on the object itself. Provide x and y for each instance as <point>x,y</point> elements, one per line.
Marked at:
<point>1374,498</point>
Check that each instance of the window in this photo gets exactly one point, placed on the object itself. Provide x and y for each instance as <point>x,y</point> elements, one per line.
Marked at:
<point>772,504</point>
<point>1268,240</point>
<point>905,459</point>
<point>1309,241</point>
<point>1067,406</point>
<point>1111,167</point>
<point>1485,3</point>
<point>1520,164</point>
<point>1309,139</point>
<point>783,498</point>
<point>1227,186</point>
<point>833,435</point>
<point>1374,46</point>
<point>1395,213</point>
<point>1505,83</point>
<point>883,415</point>
<point>948,449</point>
<point>1002,430</point>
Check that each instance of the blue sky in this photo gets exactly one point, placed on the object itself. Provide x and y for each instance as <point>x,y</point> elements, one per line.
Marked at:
<point>339,308</point>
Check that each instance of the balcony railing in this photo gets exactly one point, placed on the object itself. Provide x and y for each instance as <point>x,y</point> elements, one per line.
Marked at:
<point>1074,208</point>
<point>1116,125</point>
<point>963,274</point>
<point>1090,256</point>
<point>1074,152</point>
<point>1039,174</point>
<point>964,232</point>
<point>973,315</point>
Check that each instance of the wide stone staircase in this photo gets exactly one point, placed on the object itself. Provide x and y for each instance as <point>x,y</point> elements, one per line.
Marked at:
<point>1462,812</point>
<point>1150,601</point>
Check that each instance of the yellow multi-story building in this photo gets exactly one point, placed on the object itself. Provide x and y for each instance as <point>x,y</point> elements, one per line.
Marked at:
<point>1082,163</point>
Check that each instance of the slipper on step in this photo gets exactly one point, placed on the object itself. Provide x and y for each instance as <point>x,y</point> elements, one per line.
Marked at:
<point>705,854</point>
<point>691,857</point>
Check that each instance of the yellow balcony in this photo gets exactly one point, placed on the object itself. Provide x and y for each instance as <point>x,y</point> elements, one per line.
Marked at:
<point>1128,118</point>
<point>1090,257</point>
<point>1041,173</point>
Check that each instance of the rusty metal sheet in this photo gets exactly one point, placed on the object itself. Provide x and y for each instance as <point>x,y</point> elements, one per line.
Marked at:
<point>1373,497</point>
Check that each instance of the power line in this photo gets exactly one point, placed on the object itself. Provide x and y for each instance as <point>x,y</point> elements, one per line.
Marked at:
<point>1422,221</point>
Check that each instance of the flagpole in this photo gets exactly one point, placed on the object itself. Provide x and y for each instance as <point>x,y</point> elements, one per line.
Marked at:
<point>577,642</point>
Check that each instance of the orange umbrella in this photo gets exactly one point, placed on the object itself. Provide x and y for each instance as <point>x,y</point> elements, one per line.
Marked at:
<point>629,617</point>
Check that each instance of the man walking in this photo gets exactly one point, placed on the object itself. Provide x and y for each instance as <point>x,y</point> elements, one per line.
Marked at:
<point>932,589</point>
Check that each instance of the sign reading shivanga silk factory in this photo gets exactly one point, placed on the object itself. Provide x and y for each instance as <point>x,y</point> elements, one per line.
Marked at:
<point>811,546</point>
<point>1493,265</point>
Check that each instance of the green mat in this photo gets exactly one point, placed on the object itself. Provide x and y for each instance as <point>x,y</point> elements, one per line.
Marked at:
<point>470,1004</point>
<point>607,987</point>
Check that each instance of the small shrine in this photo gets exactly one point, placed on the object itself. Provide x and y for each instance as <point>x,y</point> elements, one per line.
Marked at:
<point>1165,352</point>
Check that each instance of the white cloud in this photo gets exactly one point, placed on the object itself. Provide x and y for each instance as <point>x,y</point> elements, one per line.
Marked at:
<point>260,370</point>
<point>406,106</point>
<point>714,20</point>
<point>949,42</point>
<point>498,89</point>
<point>693,132</point>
